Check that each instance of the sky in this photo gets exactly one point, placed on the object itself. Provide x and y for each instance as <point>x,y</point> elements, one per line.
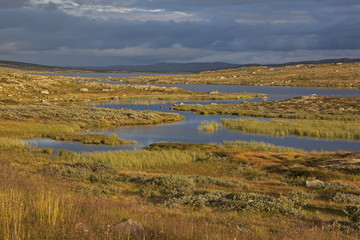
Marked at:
<point>136,32</point>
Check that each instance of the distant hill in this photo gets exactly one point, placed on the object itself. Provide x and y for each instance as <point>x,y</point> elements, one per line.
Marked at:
<point>160,67</point>
<point>169,67</point>
<point>29,66</point>
<point>324,61</point>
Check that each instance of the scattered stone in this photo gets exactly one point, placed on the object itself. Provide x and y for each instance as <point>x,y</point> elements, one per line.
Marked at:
<point>45,102</point>
<point>44,92</point>
<point>129,227</point>
<point>81,228</point>
<point>214,92</point>
<point>314,184</point>
<point>83,90</point>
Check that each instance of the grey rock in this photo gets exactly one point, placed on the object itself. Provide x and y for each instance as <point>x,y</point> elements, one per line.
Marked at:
<point>314,184</point>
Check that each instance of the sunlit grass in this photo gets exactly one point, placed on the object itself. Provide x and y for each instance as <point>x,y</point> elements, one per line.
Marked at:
<point>304,128</point>
<point>258,146</point>
<point>139,159</point>
<point>207,126</point>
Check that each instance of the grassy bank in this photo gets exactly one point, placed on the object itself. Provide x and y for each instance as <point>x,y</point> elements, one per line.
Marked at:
<point>178,191</point>
<point>306,107</point>
<point>343,75</point>
<point>17,87</point>
<point>137,159</point>
<point>64,122</point>
<point>258,146</point>
<point>303,128</point>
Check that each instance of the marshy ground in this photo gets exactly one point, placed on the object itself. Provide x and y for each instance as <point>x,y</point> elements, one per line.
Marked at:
<point>175,190</point>
<point>307,116</point>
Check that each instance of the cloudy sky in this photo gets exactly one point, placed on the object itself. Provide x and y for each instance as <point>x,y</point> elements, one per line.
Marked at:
<point>111,32</point>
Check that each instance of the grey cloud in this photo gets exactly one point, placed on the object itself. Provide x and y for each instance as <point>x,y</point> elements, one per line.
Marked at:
<point>48,33</point>
<point>13,3</point>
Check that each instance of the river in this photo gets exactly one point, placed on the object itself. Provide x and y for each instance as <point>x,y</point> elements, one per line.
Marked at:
<point>187,130</point>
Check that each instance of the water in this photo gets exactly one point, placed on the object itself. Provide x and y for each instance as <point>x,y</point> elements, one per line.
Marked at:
<point>187,130</point>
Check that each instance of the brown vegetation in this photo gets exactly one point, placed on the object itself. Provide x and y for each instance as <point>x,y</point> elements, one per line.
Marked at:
<point>306,107</point>
<point>16,87</point>
<point>341,75</point>
<point>224,192</point>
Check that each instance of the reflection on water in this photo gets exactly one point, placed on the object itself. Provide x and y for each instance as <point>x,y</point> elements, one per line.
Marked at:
<point>187,130</point>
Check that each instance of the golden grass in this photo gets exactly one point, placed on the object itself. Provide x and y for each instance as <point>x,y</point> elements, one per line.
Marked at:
<point>139,159</point>
<point>207,126</point>
<point>37,206</point>
<point>345,75</point>
<point>305,128</point>
<point>258,146</point>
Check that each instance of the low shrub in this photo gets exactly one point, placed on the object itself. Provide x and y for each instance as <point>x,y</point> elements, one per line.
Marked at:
<point>346,198</point>
<point>353,213</point>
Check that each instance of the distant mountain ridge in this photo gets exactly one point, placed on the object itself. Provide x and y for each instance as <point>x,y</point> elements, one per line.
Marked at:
<point>164,67</point>
<point>169,67</point>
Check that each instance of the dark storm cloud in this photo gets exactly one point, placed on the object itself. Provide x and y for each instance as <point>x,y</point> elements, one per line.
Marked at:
<point>13,3</point>
<point>100,32</point>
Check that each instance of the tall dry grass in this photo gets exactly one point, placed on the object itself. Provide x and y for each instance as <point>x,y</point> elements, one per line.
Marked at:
<point>304,128</point>
<point>258,146</point>
<point>139,159</point>
<point>211,126</point>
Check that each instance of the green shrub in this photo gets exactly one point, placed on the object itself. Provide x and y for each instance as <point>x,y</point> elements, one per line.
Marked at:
<point>220,182</point>
<point>353,213</point>
<point>346,198</point>
<point>339,186</point>
<point>84,172</point>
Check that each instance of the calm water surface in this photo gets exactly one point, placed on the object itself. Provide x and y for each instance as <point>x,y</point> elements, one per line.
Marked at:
<point>187,130</point>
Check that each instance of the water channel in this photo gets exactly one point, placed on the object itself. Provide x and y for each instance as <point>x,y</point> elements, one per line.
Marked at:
<point>187,130</point>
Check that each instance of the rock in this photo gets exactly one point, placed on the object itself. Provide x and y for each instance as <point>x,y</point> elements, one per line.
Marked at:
<point>214,92</point>
<point>314,184</point>
<point>129,227</point>
<point>81,228</point>
<point>44,92</point>
<point>105,90</point>
<point>83,90</point>
<point>45,102</point>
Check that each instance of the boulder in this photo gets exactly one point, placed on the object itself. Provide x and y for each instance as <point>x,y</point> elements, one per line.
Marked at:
<point>129,228</point>
<point>83,90</point>
<point>314,184</point>
<point>44,92</point>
